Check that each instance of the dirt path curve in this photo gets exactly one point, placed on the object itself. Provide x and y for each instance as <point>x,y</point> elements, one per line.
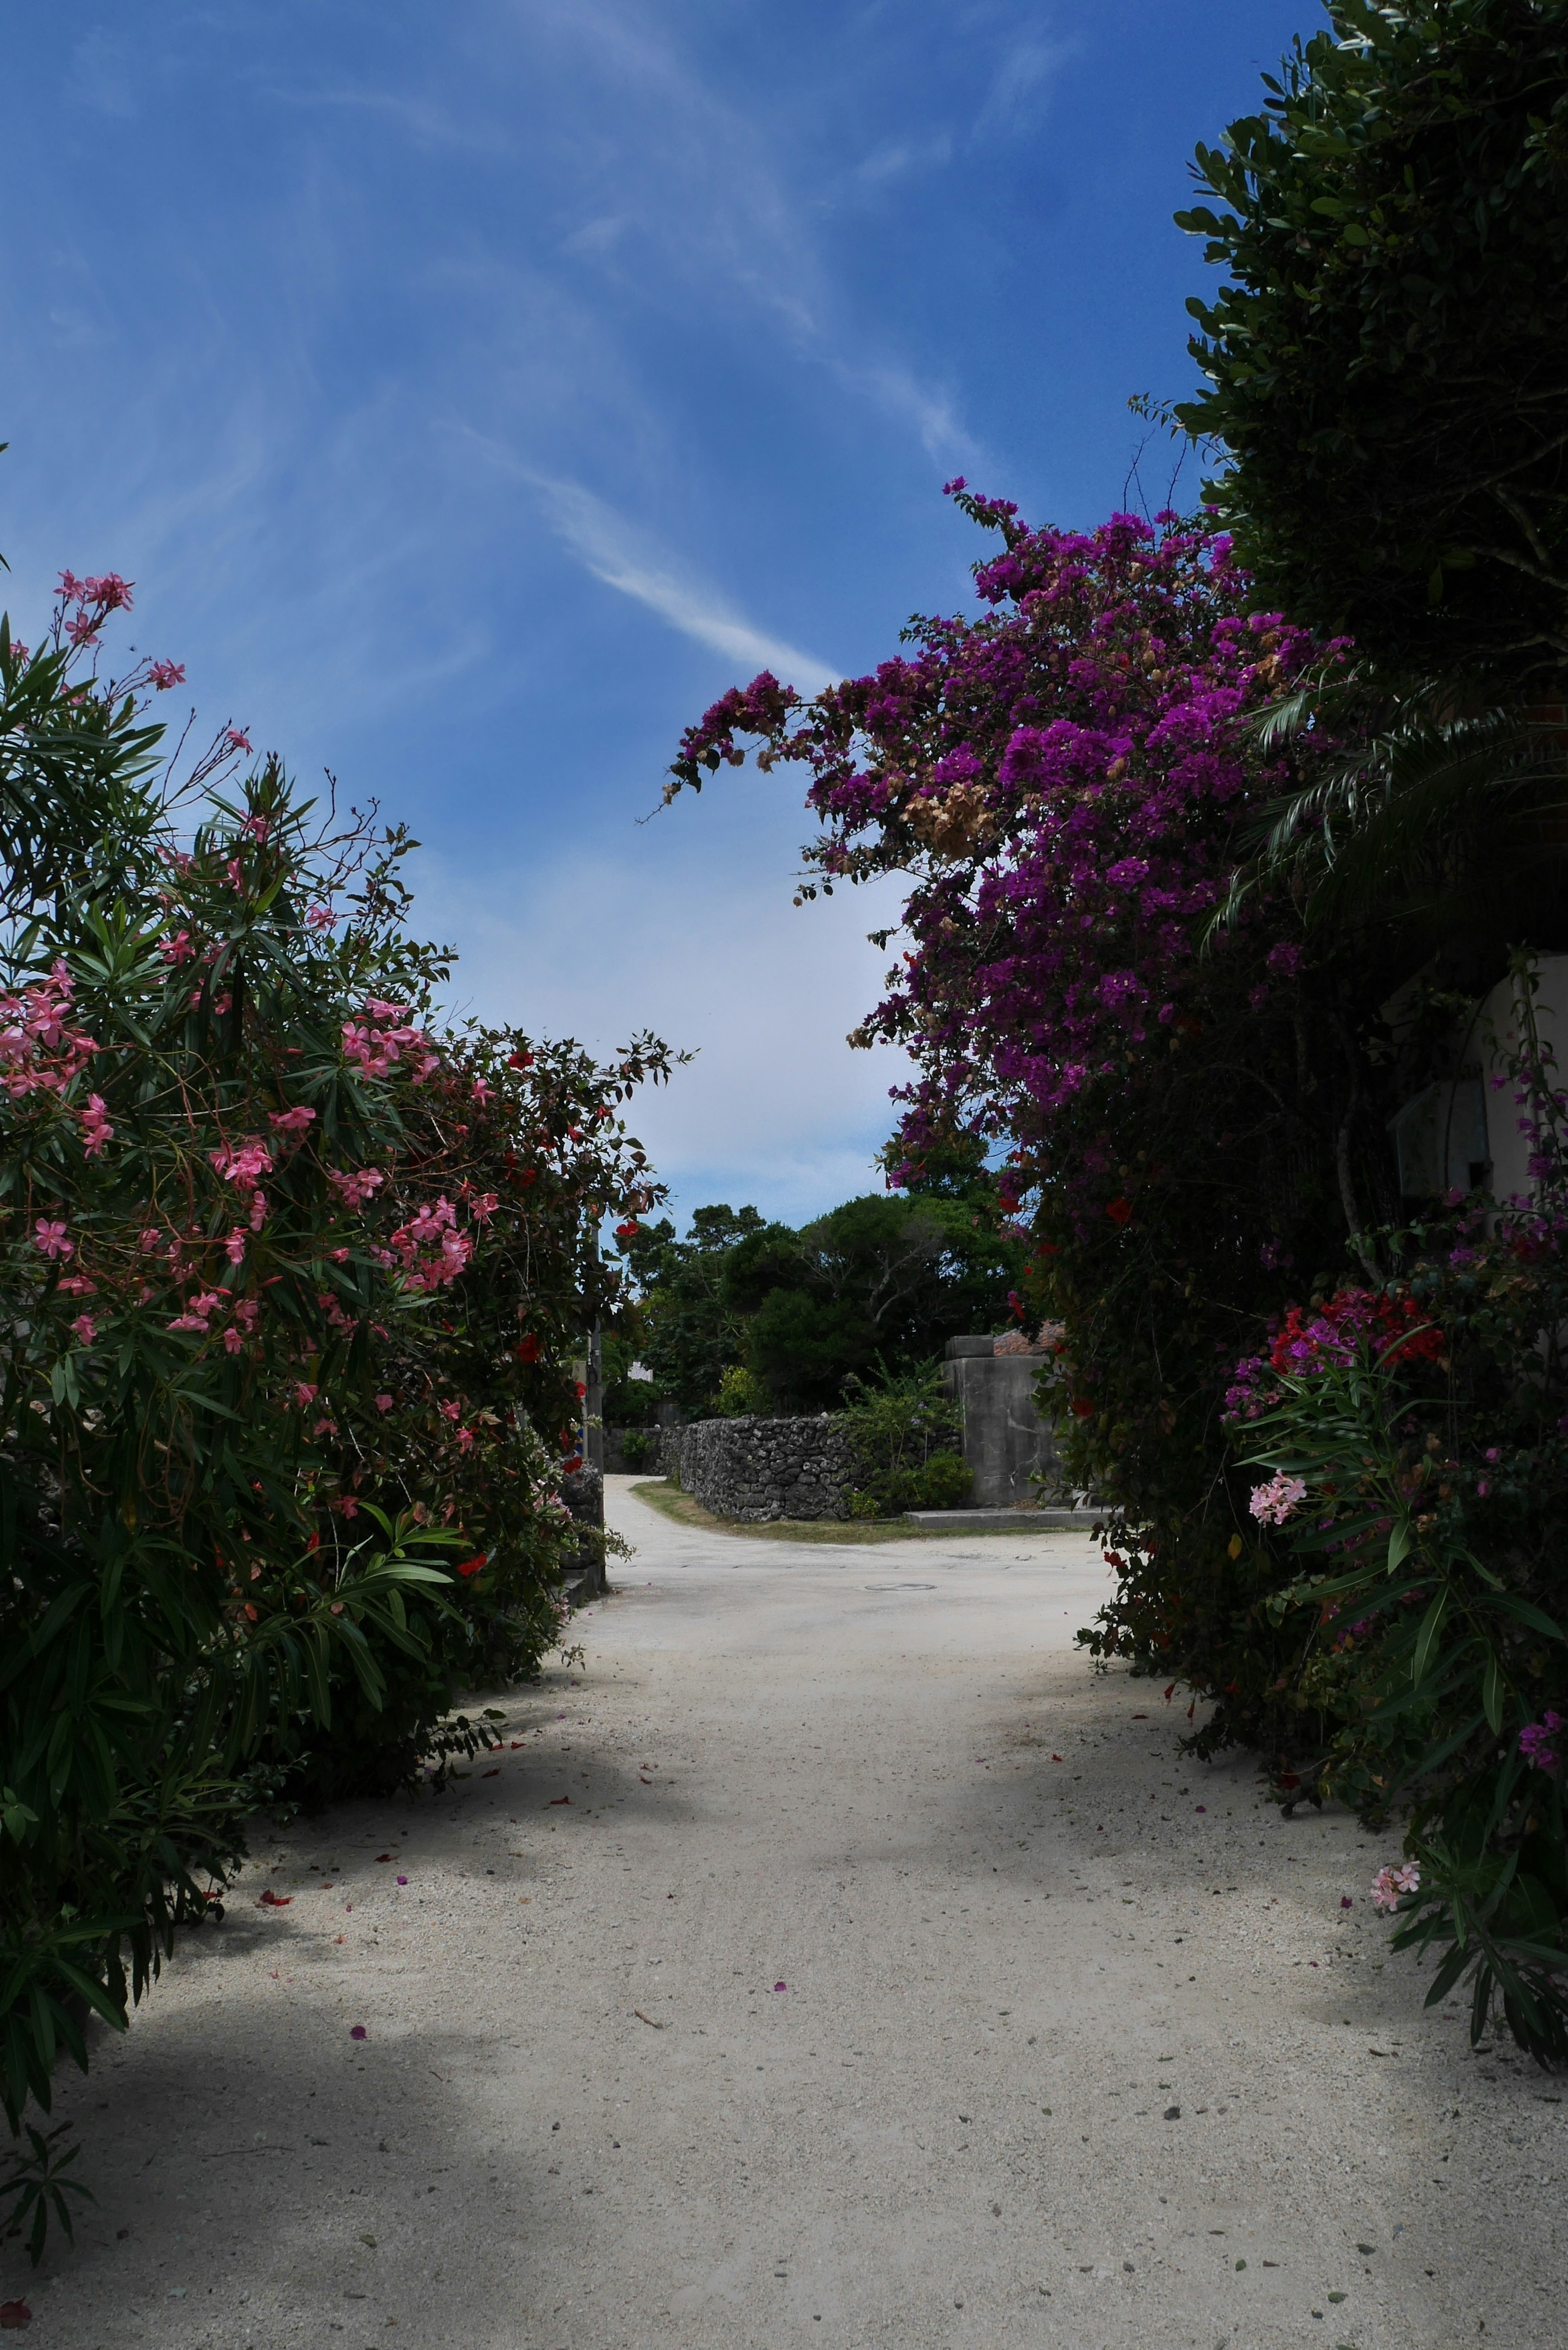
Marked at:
<point>886,1980</point>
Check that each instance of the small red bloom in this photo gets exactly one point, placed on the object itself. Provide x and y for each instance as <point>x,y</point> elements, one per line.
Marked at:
<point>473,1565</point>
<point>528,1352</point>
<point>1119,1212</point>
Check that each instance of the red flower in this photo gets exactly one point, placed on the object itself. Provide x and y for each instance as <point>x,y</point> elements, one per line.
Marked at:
<point>473,1565</point>
<point>627,1232</point>
<point>1083,1409</point>
<point>1119,1212</point>
<point>528,1352</point>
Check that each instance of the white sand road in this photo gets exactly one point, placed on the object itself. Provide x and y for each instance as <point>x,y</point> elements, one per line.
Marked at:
<point>846,2002</point>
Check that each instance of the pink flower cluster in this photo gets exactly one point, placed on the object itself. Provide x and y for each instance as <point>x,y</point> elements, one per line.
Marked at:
<point>1390,1883</point>
<point>199,1316</point>
<point>355,1188</point>
<point>382,1038</point>
<point>95,1128</point>
<point>91,600</point>
<point>40,1052</point>
<point>430,1249</point>
<point>1536,1742</point>
<point>1062,774</point>
<point>1272,1503</point>
<point>244,1162</point>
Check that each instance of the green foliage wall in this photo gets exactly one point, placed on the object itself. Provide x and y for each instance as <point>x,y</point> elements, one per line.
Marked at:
<point>1386,360</point>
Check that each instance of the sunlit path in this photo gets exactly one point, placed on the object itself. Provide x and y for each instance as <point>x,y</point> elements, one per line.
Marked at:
<point>825,1966</point>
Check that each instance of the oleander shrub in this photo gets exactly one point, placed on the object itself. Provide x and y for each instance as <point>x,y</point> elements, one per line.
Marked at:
<point>291,1279</point>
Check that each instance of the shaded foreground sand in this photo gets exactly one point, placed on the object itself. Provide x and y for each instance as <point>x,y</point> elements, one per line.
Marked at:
<point>849,1999</point>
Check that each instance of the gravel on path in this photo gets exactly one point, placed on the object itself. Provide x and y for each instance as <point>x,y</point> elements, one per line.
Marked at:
<point>833,1957</point>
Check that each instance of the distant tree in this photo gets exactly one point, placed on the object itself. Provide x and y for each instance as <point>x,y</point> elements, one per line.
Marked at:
<point>1388,364</point>
<point>691,1332</point>
<point>879,1279</point>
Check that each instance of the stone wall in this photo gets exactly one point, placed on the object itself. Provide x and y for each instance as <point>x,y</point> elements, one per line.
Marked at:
<point>761,1468</point>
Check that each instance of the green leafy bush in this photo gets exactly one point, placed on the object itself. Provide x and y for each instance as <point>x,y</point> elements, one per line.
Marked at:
<point>740,1395</point>
<point>903,1428</point>
<point>1385,362</point>
<point>1418,1437</point>
<point>291,1280</point>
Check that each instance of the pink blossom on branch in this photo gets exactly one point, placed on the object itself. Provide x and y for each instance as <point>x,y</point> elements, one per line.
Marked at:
<point>1389,1884</point>
<point>1272,1503</point>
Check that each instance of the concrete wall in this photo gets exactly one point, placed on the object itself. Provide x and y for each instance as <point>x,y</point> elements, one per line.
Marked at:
<point>1496,1031</point>
<point>1005,1442</point>
<point>762,1469</point>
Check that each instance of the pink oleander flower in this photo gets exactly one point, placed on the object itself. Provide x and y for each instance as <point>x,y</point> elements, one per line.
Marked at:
<point>355,1188</point>
<point>485,1206</point>
<point>482,1091</point>
<point>1535,1742</point>
<point>258,1211</point>
<point>236,1245</point>
<point>177,950</point>
<point>163,674</point>
<point>292,1122</point>
<point>49,1238</point>
<point>96,1127</point>
<point>233,1340</point>
<point>1272,1503</point>
<point>244,1162</point>
<point>383,1403</point>
<point>304,1393</point>
<point>1390,1883</point>
<point>257,827</point>
<point>108,589</point>
<point>236,738</point>
<point>86,1328</point>
<point>150,1239</point>
<point>320,917</point>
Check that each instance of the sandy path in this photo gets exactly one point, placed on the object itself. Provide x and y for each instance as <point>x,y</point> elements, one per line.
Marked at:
<point>835,1771</point>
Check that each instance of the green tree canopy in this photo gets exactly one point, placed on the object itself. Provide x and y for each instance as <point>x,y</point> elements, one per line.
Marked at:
<point>1387,365</point>
<point>881,1278</point>
<point>690,1330</point>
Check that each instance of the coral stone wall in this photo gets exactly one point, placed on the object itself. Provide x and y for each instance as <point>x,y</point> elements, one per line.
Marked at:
<point>761,1468</point>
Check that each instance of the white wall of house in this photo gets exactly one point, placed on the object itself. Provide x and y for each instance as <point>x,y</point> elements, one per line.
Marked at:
<point>1496,1034</point>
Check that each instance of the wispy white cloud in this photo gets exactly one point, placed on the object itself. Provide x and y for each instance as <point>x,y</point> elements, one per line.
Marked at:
<point>626,557</point>
<point>1022,77</point>
<point>897,159</point>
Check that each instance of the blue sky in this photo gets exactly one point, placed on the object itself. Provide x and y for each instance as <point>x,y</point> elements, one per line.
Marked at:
<point>474,390</point>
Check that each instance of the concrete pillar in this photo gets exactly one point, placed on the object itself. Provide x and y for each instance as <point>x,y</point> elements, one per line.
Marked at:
<point>1005,1442</point>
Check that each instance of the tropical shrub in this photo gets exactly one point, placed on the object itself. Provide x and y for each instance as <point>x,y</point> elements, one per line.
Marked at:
<point>741,1395</point>
<point>1418,1437</point>
<point>1386,362</point>
<point>290,1280</point>
<point>905,1433</point>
